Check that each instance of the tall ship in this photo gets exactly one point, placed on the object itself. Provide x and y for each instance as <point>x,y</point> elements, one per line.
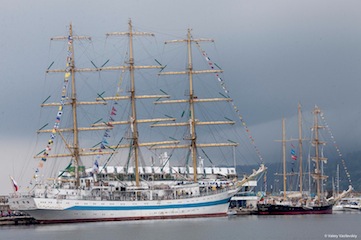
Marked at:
<point>301,202</point>
<point>83,192</point>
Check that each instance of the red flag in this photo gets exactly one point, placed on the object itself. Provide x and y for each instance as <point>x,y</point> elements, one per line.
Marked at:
<point>15,185</point>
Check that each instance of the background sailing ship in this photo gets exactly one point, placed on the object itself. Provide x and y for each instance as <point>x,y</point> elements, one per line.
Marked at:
<point>133,190</point>
<point>303,202</point>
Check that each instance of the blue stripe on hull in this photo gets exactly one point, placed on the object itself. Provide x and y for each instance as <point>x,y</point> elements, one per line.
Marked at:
<point>132,218</point>
<point>153,207</point>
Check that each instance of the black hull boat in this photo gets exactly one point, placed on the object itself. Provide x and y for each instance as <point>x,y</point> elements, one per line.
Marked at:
<point>279,209</point>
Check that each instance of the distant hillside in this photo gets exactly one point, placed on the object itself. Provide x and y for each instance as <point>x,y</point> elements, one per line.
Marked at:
<point>274,182</point>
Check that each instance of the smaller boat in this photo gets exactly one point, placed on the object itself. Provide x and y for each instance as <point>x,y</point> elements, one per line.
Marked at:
<point>350,204</point>
<point>291,208</point>
<point>245,201</point>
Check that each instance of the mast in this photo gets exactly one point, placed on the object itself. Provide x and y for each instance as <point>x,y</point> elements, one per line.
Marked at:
<point>191,106</point>
<point>316,143</point>
<point>74,110</point>
<point>133,121</point>
<point>284,173</point>
<point>70,69</point>
<point>300,146</point>
<point>192,99</point>
<point>133,118</point>
<point>317,175</point>
<point>284,159</point>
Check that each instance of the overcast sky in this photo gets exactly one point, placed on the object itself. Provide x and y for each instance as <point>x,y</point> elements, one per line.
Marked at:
<point>274,54</point>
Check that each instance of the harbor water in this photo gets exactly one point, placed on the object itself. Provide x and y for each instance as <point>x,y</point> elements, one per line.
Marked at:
<point>329,226</point>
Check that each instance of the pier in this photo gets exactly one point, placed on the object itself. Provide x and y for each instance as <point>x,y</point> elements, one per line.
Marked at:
<point>17,220</point>
<point>8,217</point>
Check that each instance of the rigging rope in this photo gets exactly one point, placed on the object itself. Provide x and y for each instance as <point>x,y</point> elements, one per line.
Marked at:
<point>104,142</point>
<point>67,75</point>
<point>223,85</point>
<point>336,146</point>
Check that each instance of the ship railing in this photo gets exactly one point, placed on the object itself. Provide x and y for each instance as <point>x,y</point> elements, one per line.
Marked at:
<point>21,195</point>
<point>143,195</point>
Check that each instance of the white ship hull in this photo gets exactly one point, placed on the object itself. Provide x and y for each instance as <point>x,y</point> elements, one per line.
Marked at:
<point>46,210</point>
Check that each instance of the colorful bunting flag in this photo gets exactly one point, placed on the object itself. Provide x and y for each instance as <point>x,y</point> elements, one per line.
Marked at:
<point>96,166</point>
<point>336,146</point>
<point>60,109</point>
<point>112,113</point>
<point>293,153</point>
<point>223,85</point>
